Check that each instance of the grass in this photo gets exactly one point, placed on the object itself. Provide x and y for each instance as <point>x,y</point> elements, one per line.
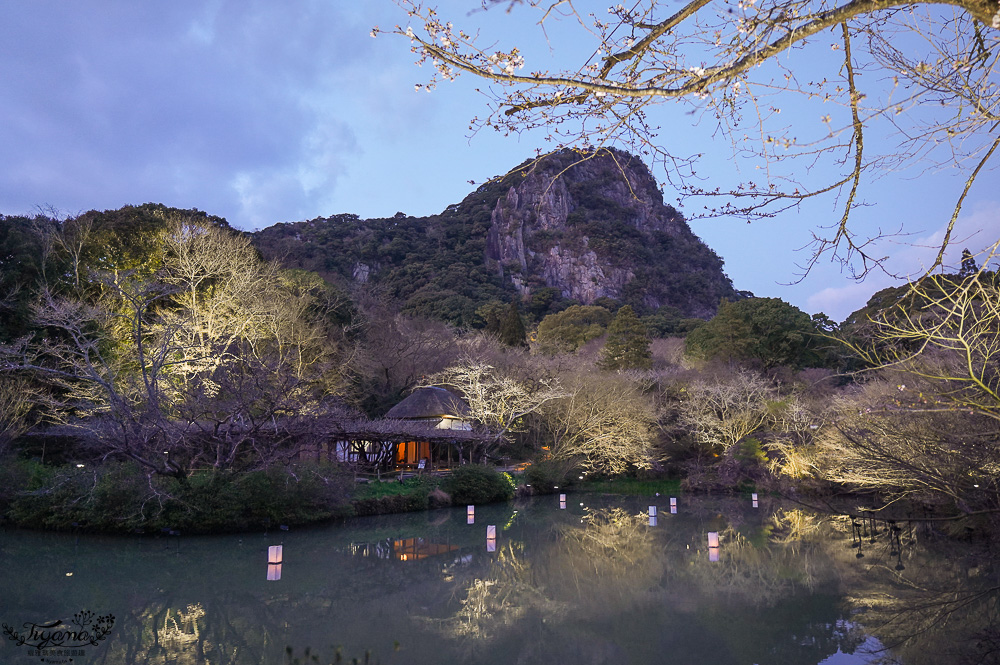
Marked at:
<point>631,486</point>
<point>377,489</point>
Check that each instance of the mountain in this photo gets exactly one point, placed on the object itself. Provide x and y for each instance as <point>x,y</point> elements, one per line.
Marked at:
<point>573,227</point>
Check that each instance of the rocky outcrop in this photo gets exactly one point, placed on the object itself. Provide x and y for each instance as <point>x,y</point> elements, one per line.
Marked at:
<point>594,225</point>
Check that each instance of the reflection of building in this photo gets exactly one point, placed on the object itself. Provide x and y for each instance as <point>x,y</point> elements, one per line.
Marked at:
<point>401,549</point>
<point>411,549</point>
<point>437,409</point>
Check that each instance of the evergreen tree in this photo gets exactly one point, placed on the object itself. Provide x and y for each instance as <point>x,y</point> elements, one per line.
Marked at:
<point>512,327</point>
<point>627,346</point>
<point>969,266</point>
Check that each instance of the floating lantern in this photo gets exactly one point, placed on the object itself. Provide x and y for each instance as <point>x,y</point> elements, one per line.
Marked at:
<point>470,515</point>
<point>274,554</point>
<point>562,502</point>
<point>673,506</point>
<point>491,538</point>
<point>652,511</point>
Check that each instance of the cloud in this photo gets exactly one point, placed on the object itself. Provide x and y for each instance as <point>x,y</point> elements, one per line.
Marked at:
<point>177,103</point>
<point>977,228</point>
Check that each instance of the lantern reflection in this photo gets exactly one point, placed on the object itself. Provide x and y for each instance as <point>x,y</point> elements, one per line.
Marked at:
<point>673,506</point>
<point>562,502</point>
<point>274,558</point>
<point>491,538</point>
<point>713,545</point>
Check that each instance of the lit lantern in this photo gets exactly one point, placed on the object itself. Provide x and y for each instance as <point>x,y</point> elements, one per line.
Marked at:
<point>652,511</point>
<point>673,506</point>
<point>470,514</point>
<point>754,496</point>
<point>562,502</point>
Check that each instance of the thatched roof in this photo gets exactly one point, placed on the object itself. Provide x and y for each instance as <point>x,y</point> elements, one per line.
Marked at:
<point>430,402</point>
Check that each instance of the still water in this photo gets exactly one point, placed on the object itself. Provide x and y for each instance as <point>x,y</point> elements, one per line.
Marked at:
<point>597,582</point>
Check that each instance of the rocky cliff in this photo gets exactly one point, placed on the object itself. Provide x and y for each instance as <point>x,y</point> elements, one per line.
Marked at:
<point>594,225</point>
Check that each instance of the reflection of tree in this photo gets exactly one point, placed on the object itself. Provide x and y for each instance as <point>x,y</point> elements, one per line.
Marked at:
<point>928,599</point>
<point>496,600</point>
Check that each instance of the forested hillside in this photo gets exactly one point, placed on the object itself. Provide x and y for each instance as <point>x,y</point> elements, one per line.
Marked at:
<point>572,229</point>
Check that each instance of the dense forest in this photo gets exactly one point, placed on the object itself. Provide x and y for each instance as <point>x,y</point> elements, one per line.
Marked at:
<point>158,367</point>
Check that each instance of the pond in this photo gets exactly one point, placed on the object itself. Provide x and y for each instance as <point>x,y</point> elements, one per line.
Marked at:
<point>596,582</point>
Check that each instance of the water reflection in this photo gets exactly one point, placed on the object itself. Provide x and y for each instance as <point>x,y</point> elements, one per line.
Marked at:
<point>590,584</point>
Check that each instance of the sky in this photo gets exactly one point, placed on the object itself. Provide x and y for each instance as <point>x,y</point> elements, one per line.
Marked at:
<point>265,112</point>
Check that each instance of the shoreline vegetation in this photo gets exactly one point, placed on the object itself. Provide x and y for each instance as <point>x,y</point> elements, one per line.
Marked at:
<point>119,499</point>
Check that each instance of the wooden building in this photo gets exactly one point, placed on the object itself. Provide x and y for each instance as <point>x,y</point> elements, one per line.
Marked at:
<point>440,411</point>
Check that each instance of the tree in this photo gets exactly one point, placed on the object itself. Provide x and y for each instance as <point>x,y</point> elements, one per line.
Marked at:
<point>512,327</point>
<point>498,400</point>
<point>969,266</point>
<point>568,330</point>
<point>217,364</point>
<point>604,424</point>
<point>767,331</point>
<point>627,346</point>
<point>723,411</point>
<point>729,63</point>
<point>926,422</point>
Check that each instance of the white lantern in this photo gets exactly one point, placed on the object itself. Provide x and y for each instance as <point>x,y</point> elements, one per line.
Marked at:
<point>470,514</point>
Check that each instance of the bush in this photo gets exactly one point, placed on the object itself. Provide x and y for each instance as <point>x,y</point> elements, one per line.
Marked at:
<point>544,476</point>
<point>476,484</point>
<point>120,497</point>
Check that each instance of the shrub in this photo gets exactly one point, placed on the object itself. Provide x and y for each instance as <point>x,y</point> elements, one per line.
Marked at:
<point>545,476</point>
<point>475,484</point>
<point>119,496</point>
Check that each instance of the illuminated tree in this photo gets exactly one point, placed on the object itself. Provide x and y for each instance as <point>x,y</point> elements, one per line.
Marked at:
<point>605,424</point>
<point>930,78</point>
<point>222,364</point>
<point>722,411</point>
<point>925,425</point>
<point>498,400</point>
